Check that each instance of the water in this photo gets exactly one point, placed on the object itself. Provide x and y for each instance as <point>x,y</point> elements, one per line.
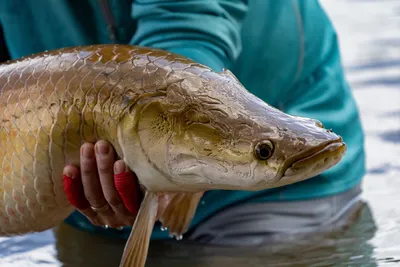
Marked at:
<point>370,39</point>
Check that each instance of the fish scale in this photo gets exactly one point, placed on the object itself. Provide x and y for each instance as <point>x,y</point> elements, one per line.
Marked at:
<point>52,103</point>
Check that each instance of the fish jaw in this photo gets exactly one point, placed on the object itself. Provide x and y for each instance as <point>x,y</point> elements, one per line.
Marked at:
<point>311,163</point>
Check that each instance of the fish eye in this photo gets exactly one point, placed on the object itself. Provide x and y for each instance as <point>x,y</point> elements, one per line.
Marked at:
<point>264,149</point>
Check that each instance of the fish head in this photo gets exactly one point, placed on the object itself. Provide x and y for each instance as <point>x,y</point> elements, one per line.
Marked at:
<point>217,135</point>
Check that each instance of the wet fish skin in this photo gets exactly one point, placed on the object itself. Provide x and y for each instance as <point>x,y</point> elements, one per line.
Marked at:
<point>180,126</point>
<point>52,102</point>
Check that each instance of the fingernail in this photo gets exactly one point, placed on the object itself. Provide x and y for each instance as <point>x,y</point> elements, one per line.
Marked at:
<point>102,148</point>
<point>68,173</point>
<point>119,167</point>
<point>87,152</point>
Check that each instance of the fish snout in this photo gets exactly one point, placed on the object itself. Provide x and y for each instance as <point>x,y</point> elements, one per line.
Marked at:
<point>318,130</point>
<point>317,161</point>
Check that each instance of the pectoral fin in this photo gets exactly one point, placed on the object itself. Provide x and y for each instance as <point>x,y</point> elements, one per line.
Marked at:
<point>179,212</point>
<point>136,248</point>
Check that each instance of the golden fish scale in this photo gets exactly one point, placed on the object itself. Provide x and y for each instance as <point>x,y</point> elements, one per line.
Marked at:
<point>51,103</point>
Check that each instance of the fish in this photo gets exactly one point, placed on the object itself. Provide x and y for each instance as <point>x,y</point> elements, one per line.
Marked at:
<point>183,128</point>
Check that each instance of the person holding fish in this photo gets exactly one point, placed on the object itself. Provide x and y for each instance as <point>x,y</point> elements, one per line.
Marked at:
<point>284,52</point>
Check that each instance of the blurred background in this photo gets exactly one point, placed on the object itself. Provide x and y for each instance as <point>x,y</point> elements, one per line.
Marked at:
<point>369,34</point>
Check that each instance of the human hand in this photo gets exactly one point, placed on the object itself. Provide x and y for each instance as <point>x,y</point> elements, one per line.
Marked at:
<point>104,190</point>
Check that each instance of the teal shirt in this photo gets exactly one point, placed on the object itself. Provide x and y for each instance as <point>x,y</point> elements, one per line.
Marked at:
<point>285,52</point>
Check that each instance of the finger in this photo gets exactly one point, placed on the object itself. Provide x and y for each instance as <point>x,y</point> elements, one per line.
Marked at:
<point>105,161</point>
<point>75,193</point>
<point>90,180</point>
<point>128,189</point>
<point>73,187</point>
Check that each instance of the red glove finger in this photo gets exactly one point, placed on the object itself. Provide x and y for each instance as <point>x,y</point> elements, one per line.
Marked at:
<point>128,189</point>
<point>73,187</point>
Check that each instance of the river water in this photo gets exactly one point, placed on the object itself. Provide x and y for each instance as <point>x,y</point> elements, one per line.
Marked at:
<point>369,32</point>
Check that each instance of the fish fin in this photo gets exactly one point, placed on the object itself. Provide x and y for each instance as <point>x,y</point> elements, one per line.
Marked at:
<point>180,211</point>
<point>136,248</point>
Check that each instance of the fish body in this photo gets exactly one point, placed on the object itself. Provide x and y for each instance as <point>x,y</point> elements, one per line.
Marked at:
<point>183,129</point>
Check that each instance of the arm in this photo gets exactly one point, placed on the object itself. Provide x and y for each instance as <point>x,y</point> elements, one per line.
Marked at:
<point>322,92</point>
<point>205,31</point>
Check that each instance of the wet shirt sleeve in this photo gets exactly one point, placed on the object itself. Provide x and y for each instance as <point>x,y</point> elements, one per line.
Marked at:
<point>205,31</point>
<point>322,92</point>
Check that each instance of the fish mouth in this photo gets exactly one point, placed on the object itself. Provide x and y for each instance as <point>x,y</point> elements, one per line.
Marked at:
<point>316,160</point>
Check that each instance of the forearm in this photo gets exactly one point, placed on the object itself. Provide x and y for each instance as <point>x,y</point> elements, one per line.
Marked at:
<point>205,31</point>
